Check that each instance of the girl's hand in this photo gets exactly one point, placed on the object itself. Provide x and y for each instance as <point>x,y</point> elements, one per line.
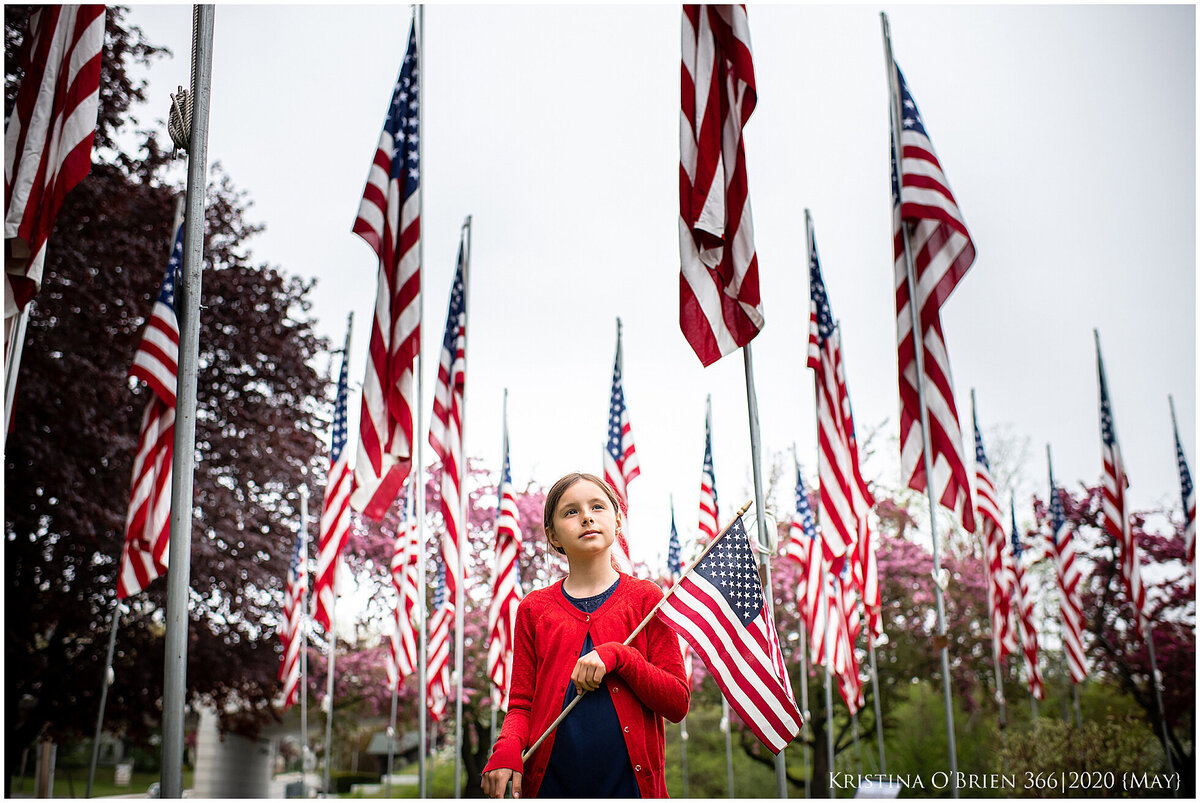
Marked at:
<point>588,673</point>
<point>496,781</point>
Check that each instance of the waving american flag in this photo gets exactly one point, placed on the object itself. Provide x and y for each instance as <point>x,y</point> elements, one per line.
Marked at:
<point>720,609</point>
<point>928,229</point>
<point>335,512</point>
<point>620,454</point>
<point>389,219</point>
<point>291,632</point>
<point>506,584</point>
<point>148,521</point>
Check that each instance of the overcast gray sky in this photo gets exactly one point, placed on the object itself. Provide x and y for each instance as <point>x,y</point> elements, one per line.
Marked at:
<point>1067,134</point>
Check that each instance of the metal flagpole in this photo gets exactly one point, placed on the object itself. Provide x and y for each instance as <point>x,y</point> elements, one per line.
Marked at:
<point>459,596</point>
<point>183,464</point>
<point>391,731</point>
<point>107,681</point>
<point>303,489</point>
<point>828,695</point>
<point>495,694</point>
<point>419,446</point>
<point>857,744</point>
<point>804,697</point>
<point>918,351</point>
<point>332,652</point>
<point>764,548</point>
<point>878,713</point>
<point>683,737</point>
<point>1162,720</point>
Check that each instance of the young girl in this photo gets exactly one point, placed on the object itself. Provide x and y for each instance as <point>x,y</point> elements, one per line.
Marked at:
<point>569,640</point>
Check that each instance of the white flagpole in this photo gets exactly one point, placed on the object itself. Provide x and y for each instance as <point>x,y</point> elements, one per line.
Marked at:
<point>112,644</point>
<point>878,714</point>
<point>400,605</point>
<point>764,550</point>
<point>804,699</point>
<point>419,446</point>
<point>183,465</point>
<point>303,489</point>
<point>828,681</point>
<point>727,728</point>
<point>918,351</point>
<point>459,596</point>
<point>329,670</point>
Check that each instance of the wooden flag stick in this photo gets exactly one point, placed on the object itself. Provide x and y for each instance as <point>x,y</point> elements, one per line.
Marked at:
<point>525,756</point>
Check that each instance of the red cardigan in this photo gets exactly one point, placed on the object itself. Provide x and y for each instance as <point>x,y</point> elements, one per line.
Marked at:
<point>646,678</point>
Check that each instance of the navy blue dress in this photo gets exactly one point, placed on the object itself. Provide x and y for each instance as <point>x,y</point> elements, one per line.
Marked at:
<point>589,757</point>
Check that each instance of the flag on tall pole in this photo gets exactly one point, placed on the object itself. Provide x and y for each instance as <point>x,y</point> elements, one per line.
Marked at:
<point>928,231</point>
<point>620,455</point>
<point>148,520</point>
<point>1062,544</point>
<point>437,689</point>
<point>402,644</point>
<point>506,584</point>
<point>843,501</point>
<point>335,512</point>
<point>445,431</point>
<point>720,309</point>
<point>996,562</point>
<point>1116,512</point>
<point>48,137</point>
<point>708,482</point>
<point>1188,492</point>
<point>389,220</point>
<point>1023,600</point>
<point>291,630</point>
<point>719,607</point>
<point>674,567</point>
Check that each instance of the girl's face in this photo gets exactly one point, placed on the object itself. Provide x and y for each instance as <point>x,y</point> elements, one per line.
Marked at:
<point>585,522</point>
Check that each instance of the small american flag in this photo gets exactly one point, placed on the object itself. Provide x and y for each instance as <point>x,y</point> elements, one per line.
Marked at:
<point>709,510</point>
<point>402,652</point>
<point>720,309</point>
<point>445,431</point>
<point>437,682</point>
<point>389,219</point>
<point>1189,497</point>
<point>506,585</point>
<point>148,521</point>
<point>1023,600</point>
<point>719,608</point>
<point>335,514</point>
<point>48,135</point>
<point>998,566</point>
<point>1062,543</point>
<point>804,547</point>
<point>291,632</point>
<point>620,455</point>
<point>926,217</point>
<point>1116,512</point>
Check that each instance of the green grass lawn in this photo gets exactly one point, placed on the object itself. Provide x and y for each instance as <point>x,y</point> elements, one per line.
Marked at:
<point>72,782</point>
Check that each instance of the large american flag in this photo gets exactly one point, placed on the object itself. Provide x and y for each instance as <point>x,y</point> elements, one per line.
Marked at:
<point>1188,492</point>
<point>335,513</point>
<point>998,566</point>
<point>719,608</point>
<point>148,520</point>
<point>291,632</point>
<point>720,309</point>
<point>389,219</point>
<point>402,643</point>
<point>1022,598</point>
<point>847,624</point>
<point>844,499</point>
<point>48,135</point>
<point>709,511</point>
<point>1062,543</point>
<point>1116,512</point>
<point>437,680</point>
<point>445,431</point>
<point>506,585</point>
<point>925,214</point>
<point>620,454</point>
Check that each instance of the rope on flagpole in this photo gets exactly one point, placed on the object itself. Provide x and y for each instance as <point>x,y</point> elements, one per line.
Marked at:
<point>570,706</point>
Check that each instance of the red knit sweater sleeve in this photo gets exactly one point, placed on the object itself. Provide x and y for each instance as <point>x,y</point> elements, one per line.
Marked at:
<point>656,677</point>
<point>514,736</point>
